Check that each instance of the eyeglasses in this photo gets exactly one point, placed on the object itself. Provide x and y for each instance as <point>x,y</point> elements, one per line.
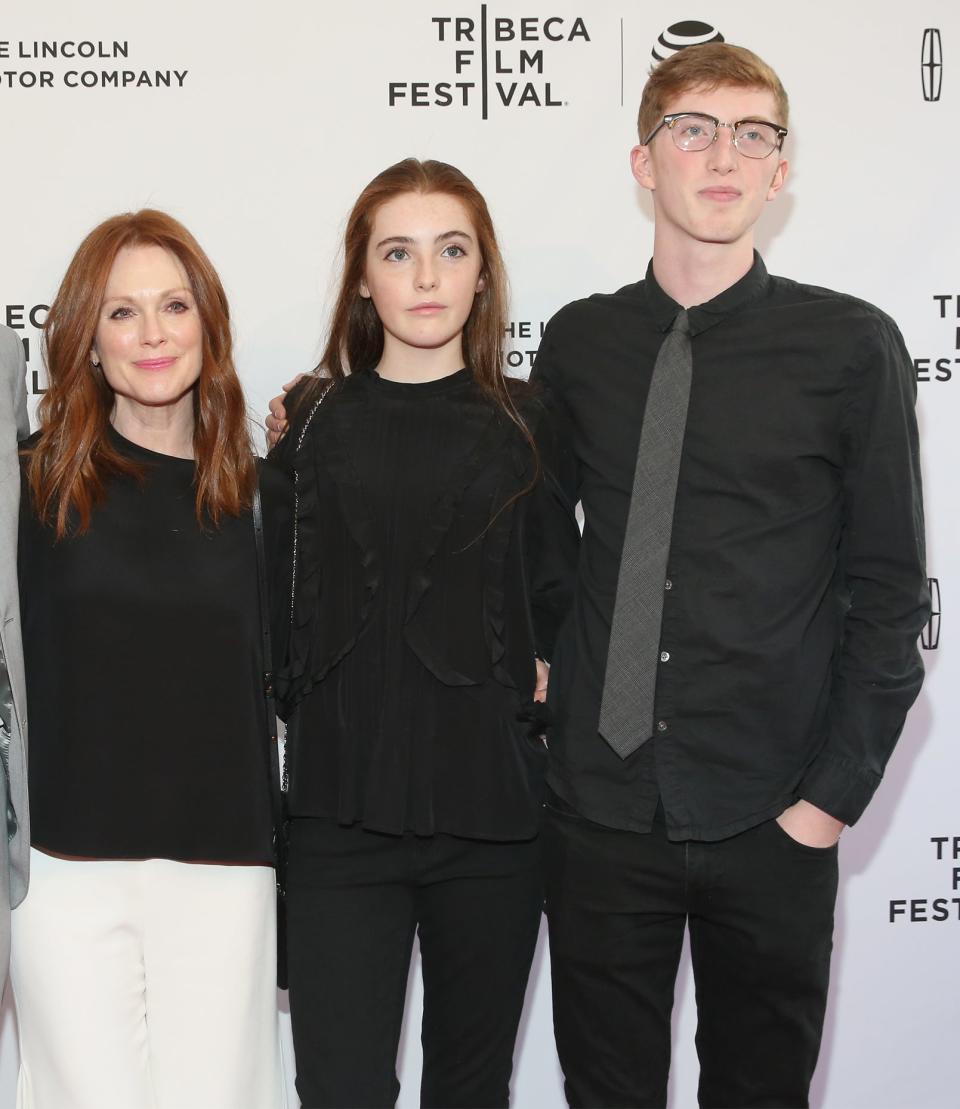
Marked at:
<point>690,131</point>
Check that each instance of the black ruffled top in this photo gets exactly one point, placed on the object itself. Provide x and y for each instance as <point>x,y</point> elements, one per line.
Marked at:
<point>422,594</point>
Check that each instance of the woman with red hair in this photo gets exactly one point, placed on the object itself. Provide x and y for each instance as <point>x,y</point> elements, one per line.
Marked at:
<point>143,956</point>
<point>436,547</point>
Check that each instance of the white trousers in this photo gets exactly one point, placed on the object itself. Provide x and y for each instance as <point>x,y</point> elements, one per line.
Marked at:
<point>147,985</point>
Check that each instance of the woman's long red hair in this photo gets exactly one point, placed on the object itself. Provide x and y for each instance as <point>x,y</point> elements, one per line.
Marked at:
<point>73,457</point>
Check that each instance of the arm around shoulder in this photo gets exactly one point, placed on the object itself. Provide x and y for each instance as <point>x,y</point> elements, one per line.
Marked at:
<point>299,402</point>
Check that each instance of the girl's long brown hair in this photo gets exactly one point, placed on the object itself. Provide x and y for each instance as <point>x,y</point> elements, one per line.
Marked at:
<point>74,456</point>
<point>355,341</point>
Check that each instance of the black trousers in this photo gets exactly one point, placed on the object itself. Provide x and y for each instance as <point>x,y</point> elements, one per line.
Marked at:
<point>759,907</point>
<point>354,901</point>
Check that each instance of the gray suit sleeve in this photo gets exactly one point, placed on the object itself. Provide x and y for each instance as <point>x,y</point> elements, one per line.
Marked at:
<point>11,352</point>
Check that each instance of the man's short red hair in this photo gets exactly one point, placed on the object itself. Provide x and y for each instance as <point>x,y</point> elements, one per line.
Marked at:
<point>707,66</point>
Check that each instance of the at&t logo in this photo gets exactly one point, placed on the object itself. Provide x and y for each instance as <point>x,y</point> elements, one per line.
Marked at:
<point>678,36</point>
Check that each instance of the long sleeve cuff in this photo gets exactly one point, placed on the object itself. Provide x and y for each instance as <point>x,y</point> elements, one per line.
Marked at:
<point>839,787</point>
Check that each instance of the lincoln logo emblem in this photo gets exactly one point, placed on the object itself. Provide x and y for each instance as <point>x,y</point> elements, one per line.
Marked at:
<point>930,636</point>
<point>931,64</point>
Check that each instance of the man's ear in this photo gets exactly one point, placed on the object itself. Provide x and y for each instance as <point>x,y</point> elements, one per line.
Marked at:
<point>641,165</point>
<point>779,177</point>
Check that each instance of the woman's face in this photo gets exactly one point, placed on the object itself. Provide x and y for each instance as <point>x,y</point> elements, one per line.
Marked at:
<point>422,271</point>
<point>149,337</point>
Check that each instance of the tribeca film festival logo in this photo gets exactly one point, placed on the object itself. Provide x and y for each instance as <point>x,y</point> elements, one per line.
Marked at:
<point>930,636</point>
<point>678,36</point>
<point>926,910</point>
<point>497,62</point>
<point>84,72</point>
<point>19,317</point>
<point>942,368</point>
<point>931,64</point>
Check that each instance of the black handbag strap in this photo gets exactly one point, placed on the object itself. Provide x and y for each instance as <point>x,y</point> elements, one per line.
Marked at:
<point>266,655</point>
<point>278,782</point>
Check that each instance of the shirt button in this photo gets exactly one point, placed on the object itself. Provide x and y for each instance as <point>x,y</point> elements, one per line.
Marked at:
<point>664,656</point>
<point>668,584</point>
<point>662,725</point>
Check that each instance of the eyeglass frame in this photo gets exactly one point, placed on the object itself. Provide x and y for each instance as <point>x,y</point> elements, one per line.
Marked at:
<point>669,120</point>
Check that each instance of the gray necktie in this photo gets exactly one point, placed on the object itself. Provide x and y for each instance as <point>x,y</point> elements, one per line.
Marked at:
<point>626,711</point>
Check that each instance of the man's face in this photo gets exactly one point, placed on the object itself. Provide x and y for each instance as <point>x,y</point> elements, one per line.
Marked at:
<point>714,195</point>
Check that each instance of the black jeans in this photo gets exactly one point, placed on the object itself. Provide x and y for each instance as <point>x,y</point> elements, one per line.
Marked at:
<point>759,907</point>
<point>354,900</point>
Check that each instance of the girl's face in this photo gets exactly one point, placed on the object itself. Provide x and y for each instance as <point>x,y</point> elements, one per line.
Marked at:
<point>422,273</point>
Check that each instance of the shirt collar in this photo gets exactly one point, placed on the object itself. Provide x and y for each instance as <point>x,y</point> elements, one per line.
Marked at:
<point>663,309</point>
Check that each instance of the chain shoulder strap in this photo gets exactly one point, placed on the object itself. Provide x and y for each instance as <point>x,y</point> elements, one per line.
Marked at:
<point>296,494</point>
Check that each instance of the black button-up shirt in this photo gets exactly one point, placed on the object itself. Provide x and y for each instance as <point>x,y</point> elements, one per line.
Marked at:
<point>795,586</point>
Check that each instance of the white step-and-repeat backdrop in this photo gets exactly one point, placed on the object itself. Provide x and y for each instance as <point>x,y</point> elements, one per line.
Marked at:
<point>258,123</point>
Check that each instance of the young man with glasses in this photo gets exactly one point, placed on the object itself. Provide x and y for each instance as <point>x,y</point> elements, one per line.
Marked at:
<point>742,649</point>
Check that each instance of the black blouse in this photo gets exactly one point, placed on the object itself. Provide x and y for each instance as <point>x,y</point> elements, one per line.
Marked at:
<point>141,640</point>
<point>423,592</point>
